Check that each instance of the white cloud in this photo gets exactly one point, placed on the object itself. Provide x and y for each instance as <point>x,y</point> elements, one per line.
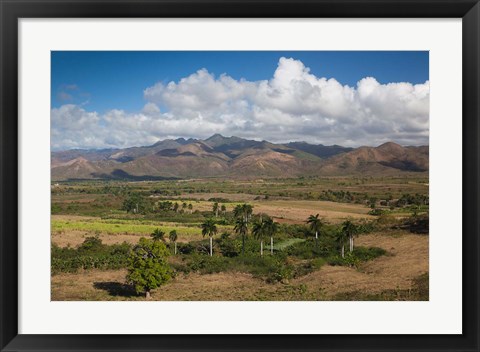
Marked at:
<point>293,105</point>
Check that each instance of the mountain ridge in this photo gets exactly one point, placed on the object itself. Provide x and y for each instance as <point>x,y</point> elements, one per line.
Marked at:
<point>235,157</point>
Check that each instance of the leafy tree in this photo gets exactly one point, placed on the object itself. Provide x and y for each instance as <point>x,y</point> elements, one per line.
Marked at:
<point>91,244</point>
<point>175,207</point>
<point>134,203</point>
<point>215,209</point>
<point>173,238</point>
<point>209,228</point>
<point>190,207</point>
<point>147,266</point>
<point>184,205</point>
<point>158,235</point>
<point>165,205</point>
<point>241,228</point>
<point>316,225</point>
<point>223,209</point>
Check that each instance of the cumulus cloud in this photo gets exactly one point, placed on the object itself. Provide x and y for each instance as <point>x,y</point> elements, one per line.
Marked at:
<point>294,105</point>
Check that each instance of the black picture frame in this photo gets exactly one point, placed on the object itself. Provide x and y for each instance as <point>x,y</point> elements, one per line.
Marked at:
<point>11,11</point>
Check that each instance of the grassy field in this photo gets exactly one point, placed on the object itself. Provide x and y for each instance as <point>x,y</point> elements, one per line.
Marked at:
<point>389,262</point>
<point>391,277</point>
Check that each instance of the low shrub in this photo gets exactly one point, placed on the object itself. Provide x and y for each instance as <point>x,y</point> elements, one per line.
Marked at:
<point>359,255</point>
<point>91,254</point>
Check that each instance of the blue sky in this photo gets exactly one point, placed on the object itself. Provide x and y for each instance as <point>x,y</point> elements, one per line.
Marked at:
<point>120,99</point>
<point>106,80</point>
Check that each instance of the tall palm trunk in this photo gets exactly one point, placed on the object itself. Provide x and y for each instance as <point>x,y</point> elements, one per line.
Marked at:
<point>351,243</point>
<point>243,244</point>
<point>211,246</point>
<point>175,251</point>
<point>261,248</point>
<point>316,238</point>
<point>271,245</point>
<point>343,251</point>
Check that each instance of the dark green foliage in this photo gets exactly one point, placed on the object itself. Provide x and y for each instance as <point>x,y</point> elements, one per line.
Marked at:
<point>418,224</point>
<point>147,265</point>
<point>365,254</point>
<point>56,209</point>
<point>185,248</point>
<point>308,249</point>
<point>338,196</point>
<point>218,200</point>
<point>271,269</point>
<point>309,266</point>
<point>91,254</point>
<point>228,246</point>
<point>91,245</point>
<point>158,235</point>
<point>134,203</point>
<point>376,212</point>
<point>358,256</point>
<point>408,199</point>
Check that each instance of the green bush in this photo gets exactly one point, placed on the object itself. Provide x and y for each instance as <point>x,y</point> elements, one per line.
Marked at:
<point>147,265</point>
<point>359,255</point>
<point>376,212</point>
<point>91,254</point>
<point>365,254</point>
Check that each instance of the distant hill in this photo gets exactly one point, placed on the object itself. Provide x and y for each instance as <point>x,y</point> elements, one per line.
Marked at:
<point>235,157</point>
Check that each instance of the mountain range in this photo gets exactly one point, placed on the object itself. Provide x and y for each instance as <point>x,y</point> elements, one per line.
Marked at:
<point>235,157</point>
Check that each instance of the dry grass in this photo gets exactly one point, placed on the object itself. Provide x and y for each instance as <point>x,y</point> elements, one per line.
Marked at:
<point>74,238</point>
<point>289,211</point>
<point>408,259</point>
<point>297,211</point>
<point>233,197</point>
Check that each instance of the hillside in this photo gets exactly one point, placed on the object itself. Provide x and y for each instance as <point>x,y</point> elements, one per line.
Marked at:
<point>235,157</point>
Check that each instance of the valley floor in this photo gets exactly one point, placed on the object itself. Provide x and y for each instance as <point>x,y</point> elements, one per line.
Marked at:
<point>402,274</point>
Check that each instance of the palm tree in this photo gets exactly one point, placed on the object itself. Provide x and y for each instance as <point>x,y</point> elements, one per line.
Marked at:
<point>223,209</point>
<point>158,235</point>
<point>241,228</point>
<point>215,209</point>
<point>247,211</point>
<point>237,211</point>
<point>341,239</point>
<point>190,207</point>
<point>244,210</point>
<point>350,230</point>
<point>175,207</point>
<point>259,231</point>
<point>173,238</point>
<point>315,225</point>
<point>184,205</point>
<point>209,228</point>
<point>271,229</point>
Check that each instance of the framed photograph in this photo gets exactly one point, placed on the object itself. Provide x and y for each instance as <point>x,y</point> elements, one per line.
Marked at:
<point>239,175</point>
